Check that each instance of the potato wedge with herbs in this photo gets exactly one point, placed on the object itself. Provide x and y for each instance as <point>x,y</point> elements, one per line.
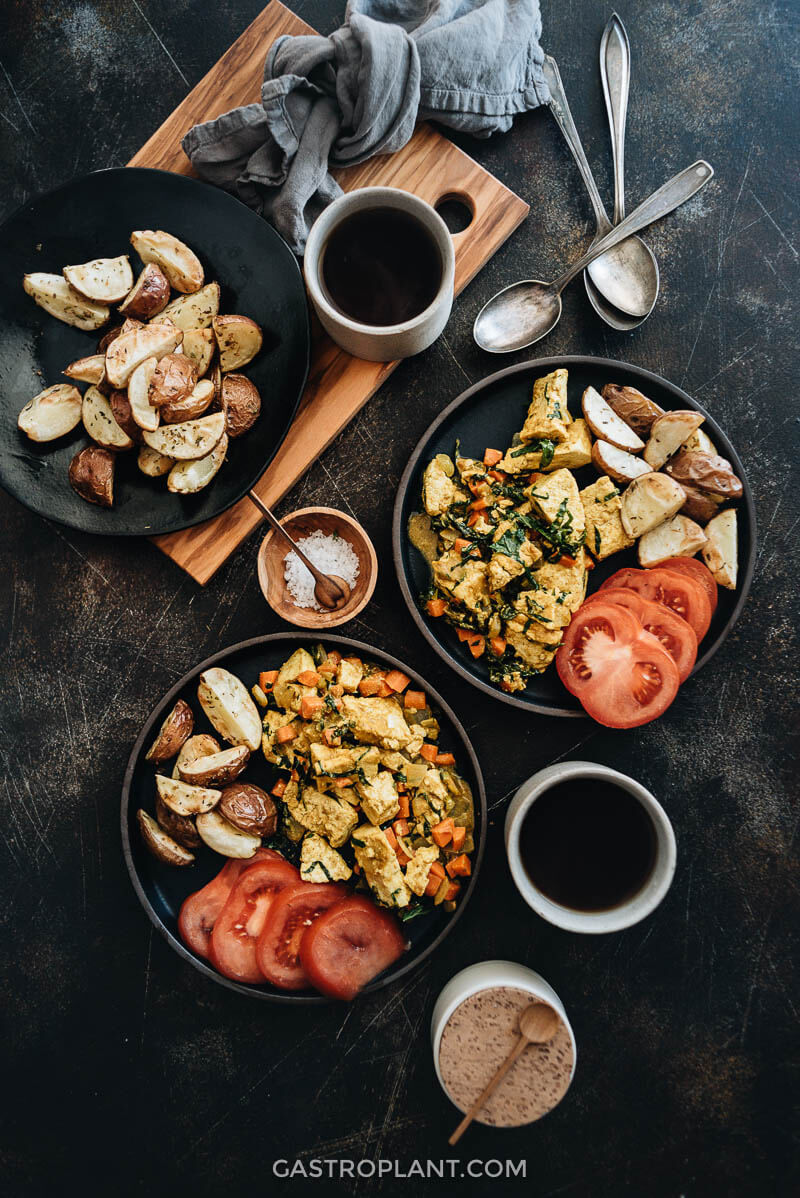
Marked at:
<point>149,294</point>
<point>91,475</point>
<point>160,844</point>
<point>123,414</point>
<point>201,745</point>
<point>195,311</point>
<point>130,349</point>
<point>127,326</point>
<point>199,345</point>
<point>631,406</point>
<point>223,838</point>
<point>180,264</point>
<point>187,478</point>
<point>606,424</point>
<point>146,416</point>
<point>677,537</point>
<point>188,441</point>
<point>100,423</point>
<point>87,370</point>
<point>618,464</point>
<point>668,434</point>
<point>229,707</point>
<point>54,294</point>
<point>650,500</point>
<point>185,799</point>
<point>104,280</point>
<point>179,827</point>
<point>707,471</point>
<point>218,768</point>
<point>700,440</point>
<point>249,808</point>
<point>721,550</point>
<point>52,413</point>
<point>197,402</point>
<point>241,404</point>
<point>152,463</point>
<point>698,505</point>
<point>173,380</point>
<point>239,339</point>
<point>173,733</point>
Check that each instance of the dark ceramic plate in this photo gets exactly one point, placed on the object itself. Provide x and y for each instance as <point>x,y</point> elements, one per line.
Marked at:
<point>162,888</point>
<point>92,217</point>
<point>489,414</point>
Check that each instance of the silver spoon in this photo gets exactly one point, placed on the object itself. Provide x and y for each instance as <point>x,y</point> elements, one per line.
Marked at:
<point>525,312</point>
<point>330,591</point>
<point>628,273</point>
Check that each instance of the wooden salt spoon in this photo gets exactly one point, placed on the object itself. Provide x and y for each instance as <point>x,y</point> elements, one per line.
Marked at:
<point>330,590</point>
<point>538,1023</point>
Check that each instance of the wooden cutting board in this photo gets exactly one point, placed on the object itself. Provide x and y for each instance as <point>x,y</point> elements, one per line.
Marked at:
<point>338,385</point>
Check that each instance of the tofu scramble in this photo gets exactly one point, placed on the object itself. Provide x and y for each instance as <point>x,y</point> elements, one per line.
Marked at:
<point>368,796</point>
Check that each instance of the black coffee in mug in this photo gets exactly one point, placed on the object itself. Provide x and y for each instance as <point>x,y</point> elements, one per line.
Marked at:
<point>588,844</point>
<point>381,266</point>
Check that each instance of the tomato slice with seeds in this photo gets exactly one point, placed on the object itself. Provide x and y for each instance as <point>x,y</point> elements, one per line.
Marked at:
<point>682,594</point>
<point>694,569</point>
<point>350,944</point>
<point>241,920</point>
<point>199,911</point>
<point>621,674</point>
<point>621,597</point>
<point>293,912</point>
<point>675,634</point>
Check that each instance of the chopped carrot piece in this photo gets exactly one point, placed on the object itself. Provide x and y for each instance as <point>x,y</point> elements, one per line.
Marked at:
<point>498,476</point>
<point>397,680</point>
<point>498,645</point>
<point>279,789</point>
<point>459,867</point>
<point>566,560</point>
<point>332,737</point>
<point>341,783</point>
<point>308,678</point>
<point>478,505</point>
<point>285,734</point>
<point>295,776</point>
<point>405,806</point>
<point>401,827</point>
<point>429,752</point>
<point>334,656</point>
<point>435,877</point>
<point>464,634</point>
<point>356,869</point>
<point>266,680</point>
<point>459,836</point>
<point>415,700</point>
<point>402,858</point>
<point>442,832</point>
<point>491,457</point>
<point>445,759</point>
<point>436,607</point>
<point>385,691</point>
<point>311,705</point>
<point>337,690</point>
<point>327,669</point>
<point>535,477</point>
<point>390,836</point>
<point>473,519</point>
<point>588,562</point>
<point>451,892</point>
<point>370,686</point>
<point>460,544</point>
<point>477,646</point>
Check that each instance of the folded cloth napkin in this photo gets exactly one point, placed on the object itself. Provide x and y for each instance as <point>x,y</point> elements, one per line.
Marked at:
<point>336,101</point>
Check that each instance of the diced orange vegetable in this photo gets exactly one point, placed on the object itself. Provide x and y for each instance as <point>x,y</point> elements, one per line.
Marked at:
<point>311,705</point>
<point>332,737</point>
<point>401,827</point>
<point>405,806</point>
<point>390,836</point>
<point>473,519</point>
<point>436,607</point>
<point>285,734</point>
<point>402,858</point>
<point>337,690</point>
<point>295,776</point>
<point>498,476</point>
<point>478,505</point>
<point>459,836</point>
<point>308,678</point>
<point>460,544</point>
<point>334,656</point>
<point>279,789</point>
<point>415,700</point>
<point>397,680</point>
<point>327,669</point>
<point>498,645</point>
<point>491,457</point>
<point>442,832</point>
<point>459,867</point>
<point>566,560</point>
<point>266,680</point>
<point>385,691</point>
<point>445,759</point>
<point>464,634</point>
<point>340,783</point>
<point>535,477</point>
<point>370,686</point>
<point>451,892</point>
<point>477,646</point>
<point>435,877</point>
<point>429,752</point>
<point>506,686</point>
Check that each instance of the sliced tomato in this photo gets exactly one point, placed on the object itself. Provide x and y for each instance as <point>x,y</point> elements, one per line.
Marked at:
<point>292,914</point>
<point>697,570</point>
<point>675,634</point>
<point>349,945</point>
<point>199,911</point>
<point>621,597</point>
<point>622,675</point>
<point>240,922</point>
<point>684,595</point>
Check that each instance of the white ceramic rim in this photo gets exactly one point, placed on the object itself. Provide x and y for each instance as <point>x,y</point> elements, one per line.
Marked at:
<point>386,197</point>
<point>491,975</point>
<point>592,922</point>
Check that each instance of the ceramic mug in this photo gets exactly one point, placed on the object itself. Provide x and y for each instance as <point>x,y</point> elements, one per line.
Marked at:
<point>626,914</point>
<point>380,343</point>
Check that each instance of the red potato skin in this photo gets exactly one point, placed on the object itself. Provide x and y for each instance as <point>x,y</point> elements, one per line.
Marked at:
<point>149,294</point>
<point>91,475</point>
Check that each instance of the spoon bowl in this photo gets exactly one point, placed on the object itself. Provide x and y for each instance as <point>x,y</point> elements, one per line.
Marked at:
<point>517,317</point>
<point>635,263</point>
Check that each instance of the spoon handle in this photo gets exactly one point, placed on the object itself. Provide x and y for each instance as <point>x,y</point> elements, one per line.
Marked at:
<point>561,111</point>
<point>615,74</point>
<point>670,195</point>
<point>281,532</point>
<point>490,1089</point>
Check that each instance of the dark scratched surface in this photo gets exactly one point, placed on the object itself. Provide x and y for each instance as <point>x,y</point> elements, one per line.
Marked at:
<point>125,1071</point>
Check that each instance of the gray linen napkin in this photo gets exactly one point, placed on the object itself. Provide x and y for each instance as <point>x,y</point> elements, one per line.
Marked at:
<point>336,101</point>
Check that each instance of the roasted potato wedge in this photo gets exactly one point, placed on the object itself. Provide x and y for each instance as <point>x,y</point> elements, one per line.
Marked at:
<point>223,838</point>
<point>52,413</point>
<point>173,734</point>
<point>195,311</point>
<point>149,294</point>
<point>700,440</point>
<point>239,339</point>
<point>199,345</point>
<point>91,475</point>
<point>100,422</point>
<point>173,380</point>
<point>160,844</point>
<point>706,471</point>
<point>618,464</point>
<point>130,349</point>
<point>188,441</point>
<point>668,434</point>
<point>180,264</point>
<point>721,550</point>
<point>677,537</point>
<point>698,505</point>
<point>606,424</point>
<point>123,414</point>
<point>241,404</point>
<point>216,769</point>
<point>179,827</point>
<point>649,501</point>
<point>146,416</point>
<point>184,799</point>
<point>87,370</point>
<point>201,745</point>
<point>229,707</point>
<point>631,406</point>
<point>54,294</point>
<point>152,463</point>
<point>104,280</point>
<point>127,326</point>
<point>187,478</point>
<point>249,808</point>
<point>192,406</point>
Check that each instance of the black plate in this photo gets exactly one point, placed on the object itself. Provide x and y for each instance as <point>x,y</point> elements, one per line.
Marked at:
<point>93,217</point>
<point>162,888</point>
<point>489,414</point>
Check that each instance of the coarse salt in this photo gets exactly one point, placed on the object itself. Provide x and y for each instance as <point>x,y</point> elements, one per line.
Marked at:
<point>331,554</point>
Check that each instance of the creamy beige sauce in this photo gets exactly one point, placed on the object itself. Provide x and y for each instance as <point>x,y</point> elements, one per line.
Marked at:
<point>422,536</point>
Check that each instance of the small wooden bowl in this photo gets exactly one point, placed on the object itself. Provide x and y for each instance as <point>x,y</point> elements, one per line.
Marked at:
<point>273,553</point>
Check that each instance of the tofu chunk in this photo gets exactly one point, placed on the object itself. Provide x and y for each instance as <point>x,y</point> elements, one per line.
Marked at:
<point>572,453</point>
<point>466,580</point>
<point>378,862</point>
<point>320,863</point>
<point>344,760</point>
<point>439,490</point>
<point>379,800</point>
<point>540,616</point>
<point>287,691</point>
<point>548,414</point>
<point>376,721</point>
<point>537,657</point>
<point>566,582</point>
<point>277,754</point>
<point>322,813</point>
<point>602,505</point>
<point>557,499</point>
<point>419,867</point>
<point>349,674</point>
<point>434,790</point>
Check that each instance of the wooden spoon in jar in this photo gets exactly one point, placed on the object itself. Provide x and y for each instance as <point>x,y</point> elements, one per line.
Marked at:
<point>330,591</point>
<point>538,1023</point>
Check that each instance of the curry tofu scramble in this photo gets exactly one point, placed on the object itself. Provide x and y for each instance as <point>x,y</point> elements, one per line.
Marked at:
<point>368,792</point>
<point>505,537</point>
